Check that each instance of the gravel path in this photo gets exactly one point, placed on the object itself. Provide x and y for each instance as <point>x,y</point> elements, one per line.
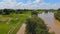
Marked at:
<point>22,29</point>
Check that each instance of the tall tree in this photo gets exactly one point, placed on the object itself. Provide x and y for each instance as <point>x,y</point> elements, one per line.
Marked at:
<point>5,12</point>
<point>35,25</point>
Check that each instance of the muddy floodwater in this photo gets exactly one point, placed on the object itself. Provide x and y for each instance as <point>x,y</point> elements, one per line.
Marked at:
<point>51,22</point>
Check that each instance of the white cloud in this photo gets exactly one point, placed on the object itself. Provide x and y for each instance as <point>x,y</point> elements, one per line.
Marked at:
<point>7,4</point>
<point>37,1</point>
<point>37,4</point>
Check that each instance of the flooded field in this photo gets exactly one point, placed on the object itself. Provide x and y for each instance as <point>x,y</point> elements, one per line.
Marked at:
<point>51,22</point>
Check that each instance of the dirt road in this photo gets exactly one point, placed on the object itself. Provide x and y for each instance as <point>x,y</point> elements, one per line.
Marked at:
<point>22,29</point>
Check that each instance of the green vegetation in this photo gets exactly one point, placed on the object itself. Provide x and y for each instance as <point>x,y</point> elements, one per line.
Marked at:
<point>36,25</point>
<point>57,15</point>
<point>11,21</point>
<point>34,13</point>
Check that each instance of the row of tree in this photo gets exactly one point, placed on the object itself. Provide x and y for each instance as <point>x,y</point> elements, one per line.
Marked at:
<point>20,11</point>
<point>8,11</point>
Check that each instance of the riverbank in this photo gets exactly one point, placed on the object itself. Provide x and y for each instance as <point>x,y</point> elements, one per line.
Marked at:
<point>57,26</point>
<point>52,23</point>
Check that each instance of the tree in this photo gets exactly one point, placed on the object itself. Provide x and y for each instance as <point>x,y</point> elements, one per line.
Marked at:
<point>5,12</point>
<point>46,11</point>
<point>20,11</point>
<point>59,9</point>
<point>34,13</point>
<point>57,15</point>
<point>35,25</point>
<point>0,11</point>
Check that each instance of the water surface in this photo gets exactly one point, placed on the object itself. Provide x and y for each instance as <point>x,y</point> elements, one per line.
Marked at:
<point>51,22</point>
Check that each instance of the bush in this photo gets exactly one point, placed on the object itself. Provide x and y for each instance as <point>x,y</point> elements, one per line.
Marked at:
<point>46,11</point>
<point>19,12</point>
<point>34,13</point>
<point>57,15</point>
<point>35,25</point>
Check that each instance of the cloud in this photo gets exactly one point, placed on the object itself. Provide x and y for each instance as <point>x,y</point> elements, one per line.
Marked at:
<point>37,4</point>
<point>7,4</point>
<point>37,1</point>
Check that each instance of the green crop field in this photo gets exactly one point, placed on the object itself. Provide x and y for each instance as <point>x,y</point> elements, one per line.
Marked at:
<point>9,23</point>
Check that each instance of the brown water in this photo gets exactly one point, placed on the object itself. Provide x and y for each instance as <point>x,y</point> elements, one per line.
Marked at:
<point>52,23</point>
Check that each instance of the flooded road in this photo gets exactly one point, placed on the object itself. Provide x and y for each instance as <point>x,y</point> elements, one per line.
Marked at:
<point>51,22</point>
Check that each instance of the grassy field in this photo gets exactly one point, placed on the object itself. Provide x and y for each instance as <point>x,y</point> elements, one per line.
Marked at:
<point>11,23</point>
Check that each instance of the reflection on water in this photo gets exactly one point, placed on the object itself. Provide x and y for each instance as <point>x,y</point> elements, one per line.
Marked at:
<point>54,25</point>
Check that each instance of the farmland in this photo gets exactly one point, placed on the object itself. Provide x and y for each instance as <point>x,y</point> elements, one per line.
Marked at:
<point>12,20</point>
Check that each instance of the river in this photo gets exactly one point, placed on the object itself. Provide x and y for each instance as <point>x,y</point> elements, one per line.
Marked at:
<point>51,22</point>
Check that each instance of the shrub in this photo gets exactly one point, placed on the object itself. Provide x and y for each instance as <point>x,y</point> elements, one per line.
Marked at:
<point>57,15</point>
<point>34,13</point>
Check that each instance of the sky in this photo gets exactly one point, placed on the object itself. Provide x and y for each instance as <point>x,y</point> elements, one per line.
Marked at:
<point>30,4</point>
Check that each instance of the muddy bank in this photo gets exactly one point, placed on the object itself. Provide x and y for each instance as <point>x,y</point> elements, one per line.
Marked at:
<point>57,26</point>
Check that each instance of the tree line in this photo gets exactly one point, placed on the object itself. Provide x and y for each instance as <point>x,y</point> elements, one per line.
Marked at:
<point>57,14</point>
<point>21,11</point>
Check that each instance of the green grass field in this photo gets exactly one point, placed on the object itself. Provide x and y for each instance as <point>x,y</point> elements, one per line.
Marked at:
<point>12,22</point>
